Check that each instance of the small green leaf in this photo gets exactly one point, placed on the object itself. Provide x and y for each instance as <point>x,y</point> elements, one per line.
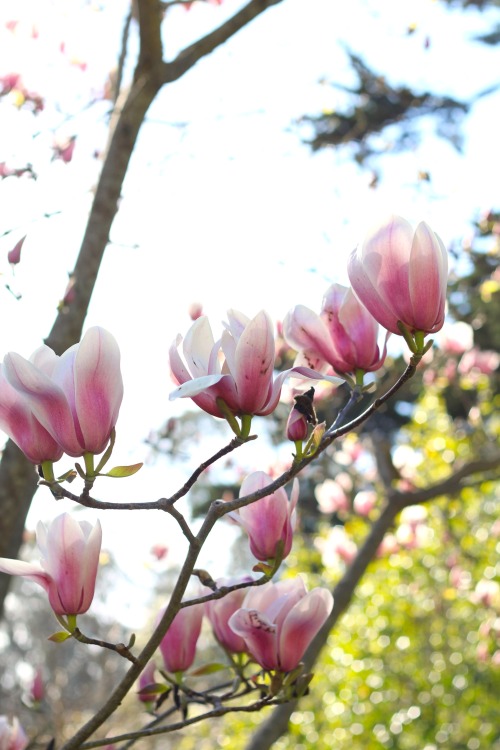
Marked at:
<point>59,637</point>
<point>80,471</point>
<point>263,568</point>
<point>122,471</point>
<point>208,669</point>
<point>68,476</point>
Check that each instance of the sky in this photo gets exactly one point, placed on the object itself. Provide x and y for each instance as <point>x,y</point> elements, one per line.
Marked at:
<point>223,203</point>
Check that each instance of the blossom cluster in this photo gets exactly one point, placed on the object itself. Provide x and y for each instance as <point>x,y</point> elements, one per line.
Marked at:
<point>52,405</point>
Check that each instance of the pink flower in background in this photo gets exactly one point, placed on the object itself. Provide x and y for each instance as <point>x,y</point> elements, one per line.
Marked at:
<point>12,736</point>
<point>195,310</point>
<point>480,361</point>
<point>456,338</point>
<point>37,690</point>
<point>270,520</point>
<point>400,274</point>
<point>331,497</point>
<point>178,646</point>
<point>364,502</point>
<point>337,546</point>
<point>76,397</point>
<point>70,558</point>
<point>238,368</point>
<point>279,620</point>
<point>64,149</point>
<point>219,611</point>
<point>19,423</point>
<point>343,337</point>
<point>14,255</point>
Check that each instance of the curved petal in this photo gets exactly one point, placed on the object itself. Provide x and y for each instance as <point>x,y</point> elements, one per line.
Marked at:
<point>21,426</point>
<point>195,386</point>
<point>45,359</point>
<point>366,290</point>
<point>72,557</point>
<point>303,329</point>
<point>254,363</point>
<point>98,387</point>
<point>47,401</point>
<point>178,370</point>
<point>428,279</point>
<point>33,571</point>
<point>197,347</point>
<point>294,372</point>
<point>386,256</point>
<point>259,634</point>
<point>301,625</point>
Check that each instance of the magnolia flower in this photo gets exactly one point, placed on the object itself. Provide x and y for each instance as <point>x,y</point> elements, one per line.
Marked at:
<point>76,397</point>
<point>146,682</point>
<point>400,274</point>
<point>270,520</point>
<point>279,620</point>
<point>18,421</point>
<point>178,646</point>
<point>238,368</point>
<point>219,611</point>
<point>12,736</point>
<point>344,336</point>
<point>70,558</point>
<point>37,689</point>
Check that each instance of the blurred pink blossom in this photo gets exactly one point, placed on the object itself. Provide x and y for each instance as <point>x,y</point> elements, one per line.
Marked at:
<point>12,736</point>
<point>331,497</point>
<point>364,502</point>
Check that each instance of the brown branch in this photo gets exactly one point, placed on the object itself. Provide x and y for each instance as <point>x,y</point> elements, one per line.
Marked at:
<point>119,648</point>
<point>207,44</point>
<point>215,713</point>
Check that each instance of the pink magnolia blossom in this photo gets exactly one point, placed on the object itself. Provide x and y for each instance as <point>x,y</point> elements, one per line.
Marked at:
<point>456,338</point>
<point>279,620</point>
<point>478,361</point>
<point>344,336</point>
<point>37,689</point>
<point>64,149</point>
<point>238,368</point>
<point>219,611</point>
<point>12,736</point>
<point>178,646</point>
<point>76,397</point>
<point>269,520</point>
<point>400,274</point>
<point>364,502</point>
<point>146,680</point>
<point>19,423</point>
<point>70,558</point>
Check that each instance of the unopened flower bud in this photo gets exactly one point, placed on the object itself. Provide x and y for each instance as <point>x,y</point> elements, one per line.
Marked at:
<point>296,427</point>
